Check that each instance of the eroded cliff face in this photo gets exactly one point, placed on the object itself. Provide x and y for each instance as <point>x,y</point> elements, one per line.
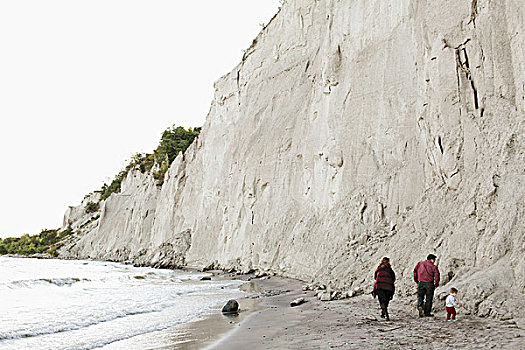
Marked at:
<point>351,130</point>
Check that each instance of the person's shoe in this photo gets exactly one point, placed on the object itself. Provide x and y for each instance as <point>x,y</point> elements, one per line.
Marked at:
<point>429,315</point>
<point>421,312</point>
<point>387,316</point>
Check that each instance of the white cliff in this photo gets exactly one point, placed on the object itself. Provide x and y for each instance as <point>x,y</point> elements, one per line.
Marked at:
<point>351,130</point>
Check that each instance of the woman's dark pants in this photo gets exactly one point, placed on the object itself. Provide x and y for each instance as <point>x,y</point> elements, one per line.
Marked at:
<point>384,297</point>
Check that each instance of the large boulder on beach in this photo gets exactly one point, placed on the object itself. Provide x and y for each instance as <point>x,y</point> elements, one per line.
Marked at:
<point>231,307</point>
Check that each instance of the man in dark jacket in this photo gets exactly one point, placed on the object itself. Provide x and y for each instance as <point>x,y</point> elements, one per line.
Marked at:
<point>426,275</point>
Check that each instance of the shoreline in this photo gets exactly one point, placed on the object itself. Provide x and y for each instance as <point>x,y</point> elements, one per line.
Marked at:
<point>199,322</point>
<point>199,333</point>
<point>267,321</point>
<point>204,330</point>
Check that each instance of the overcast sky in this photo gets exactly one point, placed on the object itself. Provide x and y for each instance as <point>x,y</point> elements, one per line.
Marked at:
<point>86,84</point>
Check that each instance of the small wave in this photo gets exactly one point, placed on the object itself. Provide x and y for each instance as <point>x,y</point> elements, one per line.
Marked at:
<point>60,282</point>
<point>65,281</point>
<point>87,323</point>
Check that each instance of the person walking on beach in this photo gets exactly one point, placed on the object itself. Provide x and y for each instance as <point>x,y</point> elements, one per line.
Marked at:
<point>426,275</point>
<point>451,304</point>
<point>384,286</point>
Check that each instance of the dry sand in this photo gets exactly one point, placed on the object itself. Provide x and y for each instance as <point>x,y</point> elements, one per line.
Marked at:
<point>355,324</point>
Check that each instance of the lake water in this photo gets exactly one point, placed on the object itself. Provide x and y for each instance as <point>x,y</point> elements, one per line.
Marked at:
<point>76,304</point>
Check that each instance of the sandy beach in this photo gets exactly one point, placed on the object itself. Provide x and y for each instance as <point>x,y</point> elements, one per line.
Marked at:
<point>267,321</point>
<point>354,323</point>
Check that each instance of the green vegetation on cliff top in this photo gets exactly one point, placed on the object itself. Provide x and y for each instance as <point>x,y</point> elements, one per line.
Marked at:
<point>45,242</point>
<point>173,141</point>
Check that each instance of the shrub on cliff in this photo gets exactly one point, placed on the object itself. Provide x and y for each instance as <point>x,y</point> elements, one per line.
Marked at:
<point>159,175</point>
<point>91,207</point>
<point>173,141</point>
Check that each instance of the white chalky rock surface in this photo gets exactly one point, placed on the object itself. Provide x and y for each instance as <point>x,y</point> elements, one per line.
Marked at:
<point>351,130</point>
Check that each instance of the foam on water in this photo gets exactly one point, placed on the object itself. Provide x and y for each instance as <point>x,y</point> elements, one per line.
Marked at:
<point>56,304</point>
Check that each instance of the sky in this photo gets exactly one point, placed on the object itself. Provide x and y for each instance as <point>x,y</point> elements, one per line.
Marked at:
<point>84,85</point>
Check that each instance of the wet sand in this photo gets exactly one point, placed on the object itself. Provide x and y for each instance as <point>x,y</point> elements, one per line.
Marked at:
<point>199,333</point>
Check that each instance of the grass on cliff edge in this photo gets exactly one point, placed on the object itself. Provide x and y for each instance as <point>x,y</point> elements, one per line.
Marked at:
<point>173,141</point>
<point>44,242</point>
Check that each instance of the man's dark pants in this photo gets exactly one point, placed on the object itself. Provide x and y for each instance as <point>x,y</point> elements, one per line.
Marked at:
<point>425,291</point>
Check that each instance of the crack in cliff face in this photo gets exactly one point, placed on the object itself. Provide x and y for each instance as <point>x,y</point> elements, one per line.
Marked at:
<point>463,68</point>
<point>473,11</point>
<point>440,144</point>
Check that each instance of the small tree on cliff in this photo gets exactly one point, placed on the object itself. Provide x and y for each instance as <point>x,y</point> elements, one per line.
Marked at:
<point>173,141</point>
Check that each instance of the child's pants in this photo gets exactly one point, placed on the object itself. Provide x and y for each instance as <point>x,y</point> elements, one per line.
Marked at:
<point>451,311</point>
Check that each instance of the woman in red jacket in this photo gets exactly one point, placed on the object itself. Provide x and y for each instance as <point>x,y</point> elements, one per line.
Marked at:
<point>384,285</point>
